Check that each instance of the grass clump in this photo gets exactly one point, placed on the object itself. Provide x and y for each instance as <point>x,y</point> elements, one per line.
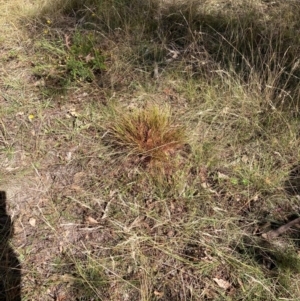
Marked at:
<point>76,57</point>
<point>148,133</point>
<point>85,58</point>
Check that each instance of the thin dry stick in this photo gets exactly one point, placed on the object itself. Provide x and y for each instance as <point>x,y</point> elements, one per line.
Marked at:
<point>274,233</point>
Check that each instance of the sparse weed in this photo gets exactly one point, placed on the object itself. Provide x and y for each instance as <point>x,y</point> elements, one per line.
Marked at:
<point>85,58</point>
<point>77,59</point>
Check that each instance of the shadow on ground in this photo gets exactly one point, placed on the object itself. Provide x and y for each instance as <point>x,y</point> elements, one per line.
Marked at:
<point>242,40</point>
<point>10,268</point>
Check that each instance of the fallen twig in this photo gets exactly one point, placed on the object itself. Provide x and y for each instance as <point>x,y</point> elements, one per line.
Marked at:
<point>275,233</point>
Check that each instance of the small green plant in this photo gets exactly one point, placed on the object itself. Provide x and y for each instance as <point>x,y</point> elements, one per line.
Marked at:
<point>84,58</point>
<point>236,181</point>
<point>77,59</point>
<point>149,133</point>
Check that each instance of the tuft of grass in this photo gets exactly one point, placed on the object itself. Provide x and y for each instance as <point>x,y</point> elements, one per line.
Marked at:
<point>149,133</point>
<point>75,58</point>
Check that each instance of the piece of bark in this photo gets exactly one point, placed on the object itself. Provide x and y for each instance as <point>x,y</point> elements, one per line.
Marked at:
<point>275,233</point>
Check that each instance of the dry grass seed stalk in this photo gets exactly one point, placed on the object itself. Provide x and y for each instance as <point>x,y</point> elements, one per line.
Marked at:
<point>149,133</point>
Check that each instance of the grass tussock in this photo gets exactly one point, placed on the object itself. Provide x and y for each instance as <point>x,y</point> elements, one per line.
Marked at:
<point>148,133</point>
